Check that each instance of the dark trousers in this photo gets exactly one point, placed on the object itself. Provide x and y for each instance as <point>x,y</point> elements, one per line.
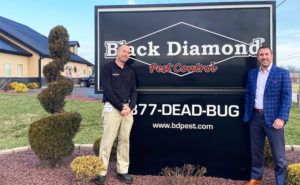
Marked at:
<point>258,132</point>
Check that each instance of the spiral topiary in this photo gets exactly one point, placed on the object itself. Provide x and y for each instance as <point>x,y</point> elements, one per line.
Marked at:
<point>53,97</point>
<point>51,137</point>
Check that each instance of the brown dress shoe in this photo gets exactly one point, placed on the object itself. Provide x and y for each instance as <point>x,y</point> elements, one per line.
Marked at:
<point>253,182</point>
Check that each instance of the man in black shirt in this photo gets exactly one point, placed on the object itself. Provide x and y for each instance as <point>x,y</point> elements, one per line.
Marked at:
<point>119,96</point>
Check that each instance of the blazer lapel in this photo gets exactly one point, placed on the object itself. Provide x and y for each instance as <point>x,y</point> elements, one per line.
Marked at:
<point>255,75</point>
<point>272,73</point>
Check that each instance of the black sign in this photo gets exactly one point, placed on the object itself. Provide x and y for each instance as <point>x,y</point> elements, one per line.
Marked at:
<point>202,129</point>
<point>191,63</point>
<point>188,46</point>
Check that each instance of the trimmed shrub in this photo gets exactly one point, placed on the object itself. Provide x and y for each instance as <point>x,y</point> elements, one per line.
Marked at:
<point>59,45</point>
<point>113,154</point>
<point>51,137</point>
<point>13,84</point>
<point>87,167</point>
<point>21,88</point>
<point>33,85</point>
<point>293,174</point>
<point>51,71</point>
<point>53,97</point>
<point>268,154</point>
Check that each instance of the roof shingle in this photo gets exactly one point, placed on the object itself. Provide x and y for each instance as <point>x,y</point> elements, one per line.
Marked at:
<point>8,47</point>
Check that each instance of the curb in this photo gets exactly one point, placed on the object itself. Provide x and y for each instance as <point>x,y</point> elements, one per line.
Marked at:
<point>89,146</point>
<point>27,148</point>
<point>296,147</point>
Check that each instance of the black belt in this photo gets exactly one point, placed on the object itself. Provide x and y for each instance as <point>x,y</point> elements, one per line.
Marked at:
<point>124,101</point>
<point>259,110</point>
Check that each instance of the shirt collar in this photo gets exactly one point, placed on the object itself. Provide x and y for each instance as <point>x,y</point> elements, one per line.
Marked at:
<point>268,69</point>
<point>125,66</point>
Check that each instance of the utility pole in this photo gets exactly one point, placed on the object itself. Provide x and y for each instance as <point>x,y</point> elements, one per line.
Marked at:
<point>298,93</point>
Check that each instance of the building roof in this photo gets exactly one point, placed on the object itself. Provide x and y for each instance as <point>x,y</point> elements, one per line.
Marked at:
<point>8,47</point>
<point>32,39</point>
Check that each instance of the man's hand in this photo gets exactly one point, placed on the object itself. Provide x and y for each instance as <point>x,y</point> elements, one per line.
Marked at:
<point>126,110</point>
<point>278,123</point>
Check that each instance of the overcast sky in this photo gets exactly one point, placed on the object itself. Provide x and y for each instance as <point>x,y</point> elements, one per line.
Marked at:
<point>78,17</point>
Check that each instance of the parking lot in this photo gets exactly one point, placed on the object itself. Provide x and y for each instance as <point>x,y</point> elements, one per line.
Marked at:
<point>87,91</point>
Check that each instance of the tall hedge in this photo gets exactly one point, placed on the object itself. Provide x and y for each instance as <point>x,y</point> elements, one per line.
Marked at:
<point>51,137</point>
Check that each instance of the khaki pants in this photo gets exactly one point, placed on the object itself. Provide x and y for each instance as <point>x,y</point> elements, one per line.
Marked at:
<point>114,123</point>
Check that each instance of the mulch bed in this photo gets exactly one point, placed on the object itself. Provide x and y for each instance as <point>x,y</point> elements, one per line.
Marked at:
<point>24,168</point>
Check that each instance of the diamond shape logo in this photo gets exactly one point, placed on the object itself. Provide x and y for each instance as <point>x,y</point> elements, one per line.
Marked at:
<point>166,50</point>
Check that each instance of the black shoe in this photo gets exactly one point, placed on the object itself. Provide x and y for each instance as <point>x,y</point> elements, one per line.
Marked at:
<point>125,178</point>
<point>99,180</point>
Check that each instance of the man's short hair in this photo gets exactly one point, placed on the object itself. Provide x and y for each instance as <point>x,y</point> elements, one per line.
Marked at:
<point>265,47</point>
<point>120,45</point>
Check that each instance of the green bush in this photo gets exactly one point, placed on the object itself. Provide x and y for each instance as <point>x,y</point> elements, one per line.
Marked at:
<point>293,174</point>
<point>113,154</point>
<point>268,154</point>
<point>51,137</point>
<point>59,45</point>
<point>51,71</point>
<point>13,84</point>
<point>53,97</point>
<point>33,85</point>
<point>87,167</point>
<point>21,88</point>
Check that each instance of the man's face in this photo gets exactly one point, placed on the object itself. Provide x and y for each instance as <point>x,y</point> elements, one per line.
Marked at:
<point>265,57</point>
<point>123,53</point>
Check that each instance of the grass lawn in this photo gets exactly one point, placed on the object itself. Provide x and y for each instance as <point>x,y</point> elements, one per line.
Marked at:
<point>292,128</point>
<point>18,111</point>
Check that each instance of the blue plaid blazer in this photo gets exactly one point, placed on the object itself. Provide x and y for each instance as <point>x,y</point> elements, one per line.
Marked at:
<point>277,95</point>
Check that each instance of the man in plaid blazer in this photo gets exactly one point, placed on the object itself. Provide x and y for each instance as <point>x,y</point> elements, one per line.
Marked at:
<point>267,105</point>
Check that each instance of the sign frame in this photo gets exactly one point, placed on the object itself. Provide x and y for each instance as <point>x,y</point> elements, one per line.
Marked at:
<point>178,7</point>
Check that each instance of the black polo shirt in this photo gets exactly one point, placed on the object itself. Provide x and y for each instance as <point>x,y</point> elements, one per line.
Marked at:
<point>118,85</point>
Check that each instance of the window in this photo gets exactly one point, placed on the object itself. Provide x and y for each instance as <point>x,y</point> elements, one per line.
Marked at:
<point>69,71</point>
<point>89,73</point>
<point>7,70</point>
<point>20,70</point>
<point>84,72</point>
